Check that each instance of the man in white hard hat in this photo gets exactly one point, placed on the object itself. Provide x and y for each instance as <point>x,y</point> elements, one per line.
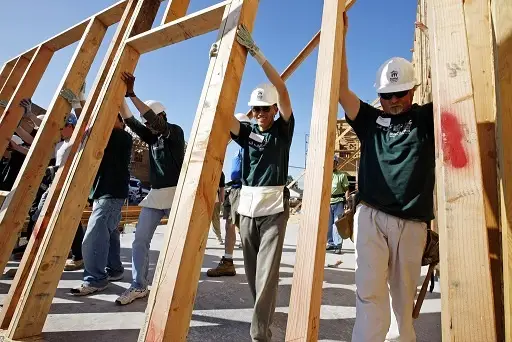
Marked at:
<point>226,266</point>
<point>263,203</point>
<point>396,183</point>
<point>166,153</point>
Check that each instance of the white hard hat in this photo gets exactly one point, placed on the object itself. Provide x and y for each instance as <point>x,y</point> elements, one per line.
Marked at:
<point>264,95</point>
<point>242,117</point>
<point>396,74</point>
<point>156,106</point>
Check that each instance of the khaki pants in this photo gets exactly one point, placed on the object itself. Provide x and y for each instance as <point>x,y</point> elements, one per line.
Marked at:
<point>388,262</point>
<point>216,221</point>
<point>262,243</point>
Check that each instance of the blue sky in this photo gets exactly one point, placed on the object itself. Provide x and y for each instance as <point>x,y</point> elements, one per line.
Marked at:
<point>175,75</point>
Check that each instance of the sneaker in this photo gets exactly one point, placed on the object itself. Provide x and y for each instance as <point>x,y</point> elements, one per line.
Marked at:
<point>130,295</point>
<point>84,290</point>
<point>225,268</point>
<point>330,247</point>
<point>118,277</point>
<point>73,265</point>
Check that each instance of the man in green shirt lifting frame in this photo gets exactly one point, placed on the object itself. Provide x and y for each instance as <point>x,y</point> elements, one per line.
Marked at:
<point>396,185</point>
<point>263,204</point>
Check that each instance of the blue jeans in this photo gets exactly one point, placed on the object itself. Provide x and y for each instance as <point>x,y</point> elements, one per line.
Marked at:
<point>149,219</point>
<point>333,237</point>
<point>101,247</point>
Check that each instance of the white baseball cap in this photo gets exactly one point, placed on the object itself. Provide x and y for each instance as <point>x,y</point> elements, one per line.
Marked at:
<point>242,117</point>
<point>396,74</point>
<point>264,95</point>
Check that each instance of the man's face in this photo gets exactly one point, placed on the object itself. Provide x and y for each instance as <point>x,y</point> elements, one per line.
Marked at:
<point>162,115</point>
<point>398,102</point>
<point>67,131</point>
<point>264,115</point>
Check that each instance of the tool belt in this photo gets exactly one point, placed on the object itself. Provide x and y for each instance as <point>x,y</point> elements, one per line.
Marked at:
<point>345,225</point>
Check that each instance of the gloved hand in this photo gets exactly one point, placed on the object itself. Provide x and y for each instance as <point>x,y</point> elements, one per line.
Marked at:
<point>129,80</point>
<point>72,99</point>
<point>3,103</point>
<point>81,94</point>
<point>214,50</point>
<point>244,38</point>
<point>27,106</point>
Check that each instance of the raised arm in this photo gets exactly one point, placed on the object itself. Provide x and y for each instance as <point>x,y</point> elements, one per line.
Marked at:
<point>348,100</point>
<point>154,121</point>
<point>284,103</point>
<point>24,135</point>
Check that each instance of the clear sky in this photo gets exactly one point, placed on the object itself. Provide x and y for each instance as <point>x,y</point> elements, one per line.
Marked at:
<point>175,75</point>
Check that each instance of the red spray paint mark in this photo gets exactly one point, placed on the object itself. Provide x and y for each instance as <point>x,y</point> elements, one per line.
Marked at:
<point>453,149</point>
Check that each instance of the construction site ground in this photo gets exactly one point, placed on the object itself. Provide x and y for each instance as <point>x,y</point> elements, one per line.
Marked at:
<point>223,306</point>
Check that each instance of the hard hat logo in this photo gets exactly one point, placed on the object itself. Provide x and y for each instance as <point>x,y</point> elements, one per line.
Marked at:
<point>263,95</point>
<point>259,96</point>
<point>394,76</point>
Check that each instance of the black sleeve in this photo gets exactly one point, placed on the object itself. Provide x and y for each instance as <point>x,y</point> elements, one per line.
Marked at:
<point>243,137</point>
<point>286,128</point>
<point>157,123</point>
<point>365,119</point>
<point>142,131</point>
<point>222,183</point>
<point>427,112</point>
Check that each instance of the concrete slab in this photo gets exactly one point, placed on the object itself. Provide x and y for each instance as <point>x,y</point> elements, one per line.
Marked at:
<point>223,306</point>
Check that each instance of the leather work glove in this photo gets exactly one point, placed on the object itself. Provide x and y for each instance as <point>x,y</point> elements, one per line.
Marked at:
<point>431,251</point>
<point>72,99</point>
<point>214,50</point>
<point>244,38</point>
<point>3,103</point>
<point>129,80</point>
<point>27,106</point>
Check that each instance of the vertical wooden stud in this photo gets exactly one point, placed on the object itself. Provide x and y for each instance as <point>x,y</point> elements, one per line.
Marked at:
<point>467,300</point>
<point>306,295</point>
<point>13,78</point>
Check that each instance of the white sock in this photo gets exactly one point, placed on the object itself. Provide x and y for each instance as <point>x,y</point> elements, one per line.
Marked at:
<point>228,256</point>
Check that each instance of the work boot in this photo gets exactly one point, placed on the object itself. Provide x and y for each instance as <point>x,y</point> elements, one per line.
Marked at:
<point>225,268</point>
<point>85,289</point>
<point>73,265</point>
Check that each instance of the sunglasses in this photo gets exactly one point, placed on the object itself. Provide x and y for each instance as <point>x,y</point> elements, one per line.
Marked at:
<point>264,109</point>
<point>398,95</point>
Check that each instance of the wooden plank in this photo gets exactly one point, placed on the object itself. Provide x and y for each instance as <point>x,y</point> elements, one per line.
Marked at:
<point>5,72</point>
<point>25,89</point>
<point>108,17</point>
<point>37,295</point>
<point>481,50</point>
<point>195,24</point>
<point>502,23</point>
<point>14,78</point>
<point>177,274</point>
<point>3,195</point>
<point>466,300</point>
<point>175,9</point>
<point>306,294</point>
<point>16,206</point>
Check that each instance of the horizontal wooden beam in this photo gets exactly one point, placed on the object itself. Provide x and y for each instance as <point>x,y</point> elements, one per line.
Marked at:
<point>192,25</point>
<point>108,17</point>
<point>14,77</point>
<point>5,72</point>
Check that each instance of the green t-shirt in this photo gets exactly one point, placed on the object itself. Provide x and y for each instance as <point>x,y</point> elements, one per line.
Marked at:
<point>166,149</point>
<point>397,166</point>
<point>339,186</point>
<point>113,175</point>
<point>265,154</point>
